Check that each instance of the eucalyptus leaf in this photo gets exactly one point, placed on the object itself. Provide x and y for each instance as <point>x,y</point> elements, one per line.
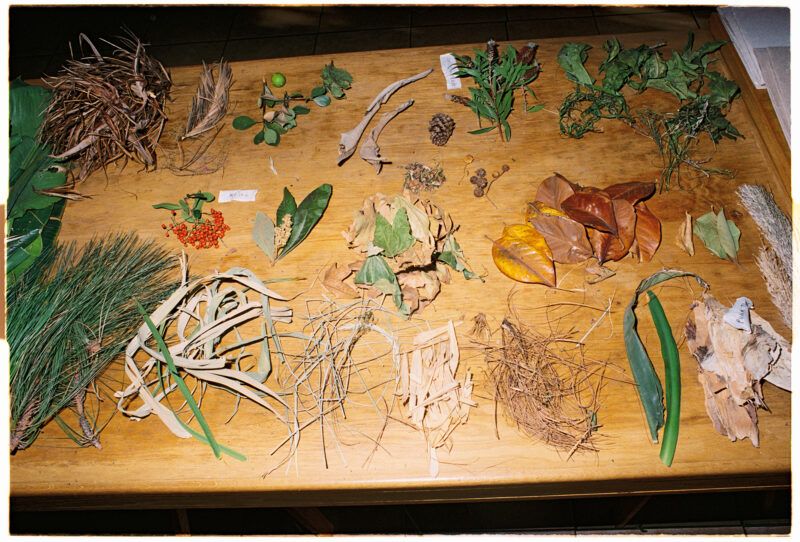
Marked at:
<point>306,216</point>
<point>264,235</point>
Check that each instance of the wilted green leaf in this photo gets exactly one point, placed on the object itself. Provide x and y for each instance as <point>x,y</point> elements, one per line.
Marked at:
<point>393,238</point>
<point>719,235</point>
<point>571,58</point>
<point>376,272</point>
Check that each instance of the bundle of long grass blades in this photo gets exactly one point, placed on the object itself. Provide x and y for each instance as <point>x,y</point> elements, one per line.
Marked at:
<point>107,107</point>
<point>69,315</point>
<point>551,397</point>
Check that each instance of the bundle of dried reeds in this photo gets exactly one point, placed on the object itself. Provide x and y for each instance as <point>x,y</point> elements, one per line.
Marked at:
<point>550,397</point>
<point>107,107</point>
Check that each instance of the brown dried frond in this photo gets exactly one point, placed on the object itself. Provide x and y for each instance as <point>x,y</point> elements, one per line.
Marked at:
<point>107,107</point>
<point>551,398</point>
<point>210,104</point>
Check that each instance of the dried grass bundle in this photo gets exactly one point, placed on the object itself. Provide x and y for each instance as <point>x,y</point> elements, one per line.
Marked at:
<point>551,397</point>
<point>107,107</point>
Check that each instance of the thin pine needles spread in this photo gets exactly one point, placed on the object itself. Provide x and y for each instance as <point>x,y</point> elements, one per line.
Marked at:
<point>107,107</point>
<point>69,316</point>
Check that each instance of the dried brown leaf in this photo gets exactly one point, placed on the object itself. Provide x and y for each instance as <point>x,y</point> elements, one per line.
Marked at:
<point>685,239</point>
<point>648,232</point>
<point>565,237</point>
<point>554,190</point>
<point>593,209</point>
<point>632,192</point>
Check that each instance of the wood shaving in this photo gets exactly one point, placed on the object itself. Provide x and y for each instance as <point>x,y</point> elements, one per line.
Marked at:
<point>435,401</point>
<point>731,365</point>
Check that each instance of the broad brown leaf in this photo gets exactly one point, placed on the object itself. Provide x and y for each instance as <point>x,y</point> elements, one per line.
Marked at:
<point>554,190</point>
<point>592,208</point>
<point>648,232</point>
<point>334,277</point>
<point>523,255</point>
<point>632,192</point>
<point>684,239</point>
<point>565,237</point>
<point>615,247</point>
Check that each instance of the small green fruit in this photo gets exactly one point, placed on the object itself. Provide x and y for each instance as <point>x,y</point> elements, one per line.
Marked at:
<point>278,79</point>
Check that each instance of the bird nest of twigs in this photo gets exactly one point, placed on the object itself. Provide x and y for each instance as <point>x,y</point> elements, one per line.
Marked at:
<point>107,107</point>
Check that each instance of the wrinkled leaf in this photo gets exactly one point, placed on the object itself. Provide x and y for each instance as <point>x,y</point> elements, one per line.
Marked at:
<point>334,280</point>
<point>592,208</point>
<point>523,255</point>
<point>306,217</point>
<point>393,238</point>
<point>571,58</point>
<point>648,232</point>
<point>647,382</point>
<point>565,237</point>
<point>684,238</point>
<point>167,206</point>
<point>719,235</point>
<point>264,235</point>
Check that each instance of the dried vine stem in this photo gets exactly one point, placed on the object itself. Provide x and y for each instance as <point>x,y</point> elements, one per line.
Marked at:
<point>107,107</point>
<point>551,398</point>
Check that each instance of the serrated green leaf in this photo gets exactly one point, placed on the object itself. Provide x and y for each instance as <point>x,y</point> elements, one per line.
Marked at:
<point>393,238</point>
<point>308,213</point>
<point>243,122</point>
<point>264,235</point>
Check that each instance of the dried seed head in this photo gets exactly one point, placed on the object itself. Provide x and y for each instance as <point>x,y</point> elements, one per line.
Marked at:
<point>473,179</point>
<point>283,231</point>
<point>480,172</point>
<point>478,191</point>
<point>505,167</point>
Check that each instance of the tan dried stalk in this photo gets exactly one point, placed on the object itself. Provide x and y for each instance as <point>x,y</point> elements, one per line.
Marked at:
<point>106,108</point>
<point>551,398</point>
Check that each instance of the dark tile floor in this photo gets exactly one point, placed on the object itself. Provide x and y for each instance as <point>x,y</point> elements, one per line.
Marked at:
<point>40,36</point>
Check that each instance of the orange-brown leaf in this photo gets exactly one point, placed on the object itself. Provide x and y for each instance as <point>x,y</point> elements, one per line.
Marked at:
<point>554,190</point>
<point>334,280</point>
<point>592,208</point>
<point>632,192</point>
<point>523,255</point>
<point>565,237</point>
<point>648,232</point>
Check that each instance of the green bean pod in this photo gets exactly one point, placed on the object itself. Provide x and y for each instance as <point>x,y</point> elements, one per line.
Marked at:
<point>672,379</point>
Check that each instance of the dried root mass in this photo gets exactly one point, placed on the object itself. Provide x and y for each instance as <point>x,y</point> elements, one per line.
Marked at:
<point>551,397</point>
<point>107,107</point>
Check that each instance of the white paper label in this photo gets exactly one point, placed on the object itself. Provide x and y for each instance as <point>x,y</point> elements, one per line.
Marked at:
<point>738,316</point>
<point>448,63</point>
<point>237,195</point>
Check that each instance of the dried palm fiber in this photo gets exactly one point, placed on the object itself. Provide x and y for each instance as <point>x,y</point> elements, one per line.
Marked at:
<point>337,368</point>
<point>202,324</point>
<point>210,104</point>
<point>107,107</point>
<point>69,316</point>
<point>551,396</point>
<point>775,260</point>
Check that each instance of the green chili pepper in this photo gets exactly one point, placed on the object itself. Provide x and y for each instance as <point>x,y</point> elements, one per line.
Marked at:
<point>672,379</point>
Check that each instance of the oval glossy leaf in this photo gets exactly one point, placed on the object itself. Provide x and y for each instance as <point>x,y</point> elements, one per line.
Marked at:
<point>259,137</point>
<point>523,255</point>
<point>632,192</point>
<point>271,137</point>
<point>306,217</point>
<point>565,237</point>
<point>322,101</point>
<point>301,110</point>
<point>592,208</point>
<point>244,122</point>
<point>287,207</point>
<point>554,190</point>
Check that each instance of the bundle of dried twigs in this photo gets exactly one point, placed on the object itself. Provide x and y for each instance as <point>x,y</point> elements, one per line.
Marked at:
<point>550,396</point>
<point>107,107</point>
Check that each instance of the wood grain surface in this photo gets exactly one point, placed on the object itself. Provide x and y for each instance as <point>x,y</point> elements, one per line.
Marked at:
<point>142,465</point>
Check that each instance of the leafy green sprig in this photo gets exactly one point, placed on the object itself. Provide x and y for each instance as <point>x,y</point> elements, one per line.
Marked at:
<point>279,115</point>
<point>498,77</point>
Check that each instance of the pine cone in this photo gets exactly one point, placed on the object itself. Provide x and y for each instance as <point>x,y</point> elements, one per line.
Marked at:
<point>441,128</point>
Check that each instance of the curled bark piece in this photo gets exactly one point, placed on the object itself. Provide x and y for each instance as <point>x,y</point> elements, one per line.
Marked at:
<point>369,150</point>
<point>349,140</point>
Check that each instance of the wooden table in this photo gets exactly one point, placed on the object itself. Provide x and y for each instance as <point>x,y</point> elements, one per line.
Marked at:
<point>142,465</point>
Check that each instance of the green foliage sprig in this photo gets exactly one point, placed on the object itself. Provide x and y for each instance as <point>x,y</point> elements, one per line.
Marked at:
<point>279,116</point>
<point>704,98</point>
<point>498,77</point>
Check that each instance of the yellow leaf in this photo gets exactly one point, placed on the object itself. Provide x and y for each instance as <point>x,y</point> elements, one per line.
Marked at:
<point>522,254</point>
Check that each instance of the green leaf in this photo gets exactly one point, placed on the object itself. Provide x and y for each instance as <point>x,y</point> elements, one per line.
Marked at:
<point>259,137</point>
<point>27,104</point>
<point>647,383</point>
<point>571,58</point>
<point>271,136</point>
<point>322,101</point>
<point>336,77</point>
<point>535,108</point>
<point>244,122</point>
<point>376,272</point>
<point>301,110</point>
<point>393,238</point>
<point>506,129</point>
<point>482,130</point>
<point>264,235</point>
<point>167,206</point>
<point>317,92</point>
<point>337,91</point>
<point>453,256</point>
<point>287,207</point>
<point>306,216</point>
<point>719,235</point>
<point>29,171</point>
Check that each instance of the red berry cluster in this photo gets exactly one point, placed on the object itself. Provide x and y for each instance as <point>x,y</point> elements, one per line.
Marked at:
<point>205,234</point>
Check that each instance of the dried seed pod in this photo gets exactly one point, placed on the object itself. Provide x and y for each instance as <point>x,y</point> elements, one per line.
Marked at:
<point>441,128</point>
<point>480,172</point>
<point>478,191</point>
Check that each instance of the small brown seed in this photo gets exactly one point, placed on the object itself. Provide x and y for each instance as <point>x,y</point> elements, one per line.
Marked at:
<point>480,172</point>
<point>478,192</point>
